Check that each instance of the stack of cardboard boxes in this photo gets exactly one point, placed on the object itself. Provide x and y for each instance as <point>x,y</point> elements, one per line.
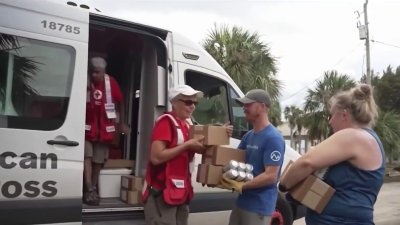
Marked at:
<point>216,156</point>
<point>131,189</point>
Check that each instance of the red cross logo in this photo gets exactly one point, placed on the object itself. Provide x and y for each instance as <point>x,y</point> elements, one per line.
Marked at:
<point>97,94</point>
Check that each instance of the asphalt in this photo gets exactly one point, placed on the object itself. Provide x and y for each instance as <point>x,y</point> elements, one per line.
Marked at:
<point>387,212</point>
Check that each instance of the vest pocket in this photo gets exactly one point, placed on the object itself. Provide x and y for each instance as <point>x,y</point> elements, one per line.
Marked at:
<point>176,191</point>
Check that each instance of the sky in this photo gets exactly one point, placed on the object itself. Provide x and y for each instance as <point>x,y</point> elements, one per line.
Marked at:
<point>308,37</point>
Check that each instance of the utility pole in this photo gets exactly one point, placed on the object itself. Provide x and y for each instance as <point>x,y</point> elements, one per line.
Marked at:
<point>367,44</point>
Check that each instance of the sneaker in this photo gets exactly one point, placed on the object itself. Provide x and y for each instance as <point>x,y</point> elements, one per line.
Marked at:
<point>96,197</point>
<point>89,198</point>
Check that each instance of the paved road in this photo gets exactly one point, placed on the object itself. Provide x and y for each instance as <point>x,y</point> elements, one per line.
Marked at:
<point>387,211</point>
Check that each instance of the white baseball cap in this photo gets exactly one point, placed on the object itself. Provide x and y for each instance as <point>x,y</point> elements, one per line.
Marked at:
<point>183,90</point>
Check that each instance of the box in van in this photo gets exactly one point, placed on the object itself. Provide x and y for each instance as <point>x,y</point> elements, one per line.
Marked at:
<point>131,183</point>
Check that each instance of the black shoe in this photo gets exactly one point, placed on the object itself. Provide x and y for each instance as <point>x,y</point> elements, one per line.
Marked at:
<point>96,197</point>
<point>89,198</point>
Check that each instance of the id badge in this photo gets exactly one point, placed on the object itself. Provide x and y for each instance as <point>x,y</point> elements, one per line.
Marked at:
<point>178,183</point>
<point>110,110</point>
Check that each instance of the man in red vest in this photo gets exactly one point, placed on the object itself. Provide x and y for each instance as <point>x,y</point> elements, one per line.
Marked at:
<point>104,118</point>
<point>168,188</point>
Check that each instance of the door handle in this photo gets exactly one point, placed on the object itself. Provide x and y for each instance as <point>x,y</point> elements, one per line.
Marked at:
<point>66,143</point>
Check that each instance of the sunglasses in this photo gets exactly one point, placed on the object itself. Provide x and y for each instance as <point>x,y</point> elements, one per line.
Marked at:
<point>188,102</point>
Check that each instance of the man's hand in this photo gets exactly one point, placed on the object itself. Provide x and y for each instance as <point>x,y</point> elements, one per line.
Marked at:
<point>196,144</point>
<point>124,128</point>
<point>230,184</point>
<point>229,128</point>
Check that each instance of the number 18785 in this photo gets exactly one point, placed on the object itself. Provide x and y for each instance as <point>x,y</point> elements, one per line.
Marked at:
<point>60,27</point>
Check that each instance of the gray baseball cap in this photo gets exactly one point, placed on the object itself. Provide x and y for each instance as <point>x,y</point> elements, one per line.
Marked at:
<point>255,95</point>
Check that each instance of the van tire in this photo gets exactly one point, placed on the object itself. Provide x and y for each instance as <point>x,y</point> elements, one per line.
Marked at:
<point>283,214</point>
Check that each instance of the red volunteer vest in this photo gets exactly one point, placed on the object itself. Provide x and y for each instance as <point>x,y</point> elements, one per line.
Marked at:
<point>100,113</point>
<point>173,177</point>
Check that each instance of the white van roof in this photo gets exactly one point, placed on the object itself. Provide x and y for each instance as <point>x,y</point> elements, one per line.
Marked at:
<point>181,44</point>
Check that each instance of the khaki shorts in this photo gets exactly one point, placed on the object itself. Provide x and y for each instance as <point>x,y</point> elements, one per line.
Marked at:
<point>242,217</point>
<point>97,151</point>
<point>156,212</point>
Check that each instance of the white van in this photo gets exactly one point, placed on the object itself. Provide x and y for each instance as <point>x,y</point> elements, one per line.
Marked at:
<point>44,50</point>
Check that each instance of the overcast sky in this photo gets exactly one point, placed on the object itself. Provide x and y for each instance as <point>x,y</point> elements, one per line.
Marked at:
<point>308,37</point>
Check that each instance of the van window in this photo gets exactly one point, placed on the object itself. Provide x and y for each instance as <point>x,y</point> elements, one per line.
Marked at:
<point>35,83</point>
<point>213,108</point>
<point>240,125</point>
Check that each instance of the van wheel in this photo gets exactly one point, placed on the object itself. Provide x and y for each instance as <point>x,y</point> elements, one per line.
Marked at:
<point>283,214</point>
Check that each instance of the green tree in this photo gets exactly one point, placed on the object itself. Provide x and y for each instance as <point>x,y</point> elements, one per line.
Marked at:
<point>24,70</point>
<point>387,98</point>
<point>388,130</point>
<point>316,109</point>
<point>375,77</point>
<point>294,116</point>
<point>246,59</point>
<point>275,113</point>
<point>387,90</point>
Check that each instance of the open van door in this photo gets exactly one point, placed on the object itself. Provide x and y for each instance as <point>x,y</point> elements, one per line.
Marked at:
<point>43,64</point>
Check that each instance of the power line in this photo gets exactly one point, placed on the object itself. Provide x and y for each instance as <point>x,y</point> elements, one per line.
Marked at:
<point>391,45</point>
<point>320,76</point>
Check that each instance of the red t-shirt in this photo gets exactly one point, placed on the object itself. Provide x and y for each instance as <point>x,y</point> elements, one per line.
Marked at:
<point>163,129</point>
<point>99,92</point>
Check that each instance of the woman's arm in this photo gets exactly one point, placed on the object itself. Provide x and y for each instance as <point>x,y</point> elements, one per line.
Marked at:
<point>337,148</point>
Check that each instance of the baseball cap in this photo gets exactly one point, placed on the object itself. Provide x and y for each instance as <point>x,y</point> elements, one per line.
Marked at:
<point>183,90</point>
<point>256,95</point>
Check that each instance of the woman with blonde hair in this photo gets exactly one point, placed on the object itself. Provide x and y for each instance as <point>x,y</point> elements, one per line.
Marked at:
<point>355,159</point>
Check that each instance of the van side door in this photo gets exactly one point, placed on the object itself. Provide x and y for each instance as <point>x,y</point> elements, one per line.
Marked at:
<point>43,75</point>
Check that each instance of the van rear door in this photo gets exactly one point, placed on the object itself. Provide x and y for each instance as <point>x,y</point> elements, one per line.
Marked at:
<point>43,64</point>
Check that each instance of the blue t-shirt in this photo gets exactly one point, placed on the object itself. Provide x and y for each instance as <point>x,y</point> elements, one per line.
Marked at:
<point>264,148</point>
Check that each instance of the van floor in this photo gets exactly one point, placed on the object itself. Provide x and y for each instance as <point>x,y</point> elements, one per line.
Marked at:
<point>109,203</point>
<point>111,209</point>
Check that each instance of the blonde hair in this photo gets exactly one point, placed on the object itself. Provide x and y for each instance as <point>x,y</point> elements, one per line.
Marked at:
<point>359,101</point>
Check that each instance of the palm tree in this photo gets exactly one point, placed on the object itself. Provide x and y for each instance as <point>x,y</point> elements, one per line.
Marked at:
<point>246,59</point>
<point>294,116</point>
<point>24,70</point>
<point>316,106</point>
<point>275,114</point>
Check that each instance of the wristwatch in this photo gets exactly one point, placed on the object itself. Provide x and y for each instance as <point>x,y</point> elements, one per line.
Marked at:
<point>282,188</point>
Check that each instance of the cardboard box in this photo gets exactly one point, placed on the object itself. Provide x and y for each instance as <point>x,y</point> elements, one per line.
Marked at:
<point>311,192</point>
<point>206,160</point>
<point>131,183</point>
<point>110,182</point>
<point>213,135</point>
<point>119,163</point>
<point>131,197</point>
<point>209,174</point>
<point>222,155</point>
